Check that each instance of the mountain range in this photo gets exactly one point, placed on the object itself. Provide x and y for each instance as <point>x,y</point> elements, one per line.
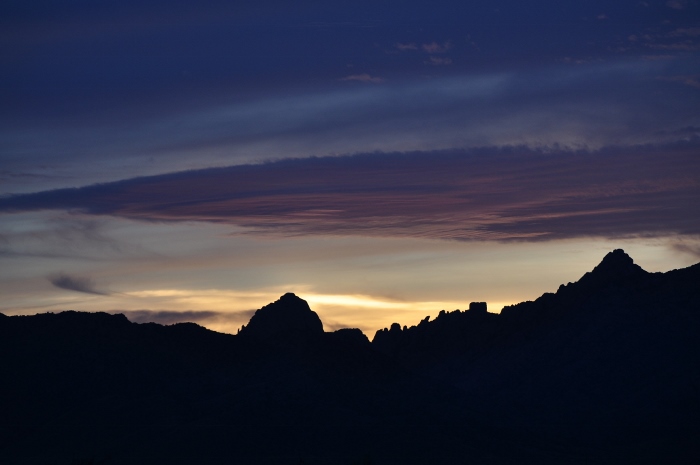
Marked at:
<point>604,370</point>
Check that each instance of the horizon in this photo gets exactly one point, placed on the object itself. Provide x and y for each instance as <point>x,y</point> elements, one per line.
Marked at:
<point>193,162</point>
<point>603,371</point>
<point>167,318</point>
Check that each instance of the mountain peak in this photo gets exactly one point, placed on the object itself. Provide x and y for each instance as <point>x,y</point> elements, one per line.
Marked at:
<point>287,317</point>
<point>615,265</point>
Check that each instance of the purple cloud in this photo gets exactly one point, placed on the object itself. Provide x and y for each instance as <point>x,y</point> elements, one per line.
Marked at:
<point>513,193</point>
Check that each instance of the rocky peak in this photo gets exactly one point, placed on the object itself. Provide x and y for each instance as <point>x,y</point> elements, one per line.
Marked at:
<point>615,265</point>
<point>619,263</point>
<point>288,317</point>
<point>478,307</point>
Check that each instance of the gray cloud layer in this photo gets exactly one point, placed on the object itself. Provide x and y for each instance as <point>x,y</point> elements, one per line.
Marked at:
<point>75,283</point>
<point>169,317</point>
<point>512,193</point>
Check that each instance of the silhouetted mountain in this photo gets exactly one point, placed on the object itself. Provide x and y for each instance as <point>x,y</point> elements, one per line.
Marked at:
<point>609,364</point>
<point>287,319</point>
<point>616,265</point>
<point>605,370</point>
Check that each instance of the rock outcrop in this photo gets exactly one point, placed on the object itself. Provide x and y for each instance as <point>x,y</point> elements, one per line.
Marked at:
<point>616,266</point>
<point>287,319</point>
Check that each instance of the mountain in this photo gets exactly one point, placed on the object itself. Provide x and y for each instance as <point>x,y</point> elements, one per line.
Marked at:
<point>283,321</point>
<point>608,364</point>
<point>604,370</point>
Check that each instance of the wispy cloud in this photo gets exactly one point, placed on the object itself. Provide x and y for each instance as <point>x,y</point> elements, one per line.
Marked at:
<point>406,46</point>
<point>511,193</point>
<point>169,317</point>
<point>75,283</point>
<point>364,77</point>
<point>678,46</point>
<point>687,247</point>
<point>434,47</point>
<point>677,4</point>
<point>427,47</point>
<point>439,61</point>
<point>685,32</point>
<point>692,81</point>
<point>593,105</point>
<point>683,39</point>
<point>364,24</point>
<point>62,235</point>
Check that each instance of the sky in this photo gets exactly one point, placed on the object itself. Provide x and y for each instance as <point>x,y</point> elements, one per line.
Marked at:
<point>193,161</point>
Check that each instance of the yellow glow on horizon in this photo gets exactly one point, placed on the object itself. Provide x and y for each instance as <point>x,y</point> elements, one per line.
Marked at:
<point>371,313</point>
<point>367,312</point>
<point>196,293</point>
<point>355,300</point>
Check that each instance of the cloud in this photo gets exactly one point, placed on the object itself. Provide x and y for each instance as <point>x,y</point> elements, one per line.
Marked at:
<point>678,46</point>
<point>434,47</point>
<point>429,47</point>
<point>511,193</point>
<point>685,32</point>
<point>683,39</point>
<point>407,46</point>
<point>677,4</point>
<point>692,81</point>
<point>593,105</point>
<point>687,132</point>
<point>439,61</point>
<point>362,24</point>
<point>75,283</point>
<point>690,248</point>
<point>169,317</point>
<point>364,77</point>
<point>62,235</point>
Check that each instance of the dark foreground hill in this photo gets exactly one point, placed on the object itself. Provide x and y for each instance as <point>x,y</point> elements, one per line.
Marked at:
<point>605,370</point>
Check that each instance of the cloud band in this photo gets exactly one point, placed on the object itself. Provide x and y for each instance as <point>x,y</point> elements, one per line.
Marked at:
<point>513,193</point>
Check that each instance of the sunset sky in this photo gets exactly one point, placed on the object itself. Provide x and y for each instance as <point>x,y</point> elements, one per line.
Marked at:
<point>193,161</point>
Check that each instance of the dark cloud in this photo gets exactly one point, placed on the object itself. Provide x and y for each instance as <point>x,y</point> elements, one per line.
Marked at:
<point>691,248</point>
<point>169,317</point>
<point>75,283</point>
<point>513,193</point>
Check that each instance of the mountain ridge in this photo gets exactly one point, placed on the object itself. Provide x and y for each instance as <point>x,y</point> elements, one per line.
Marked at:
<point>604,370</point>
